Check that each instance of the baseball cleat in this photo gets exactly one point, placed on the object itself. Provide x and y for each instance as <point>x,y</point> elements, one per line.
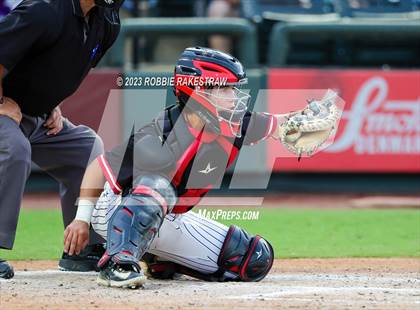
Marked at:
<point>86,261</point>
<point>126,276</point>
<point>6,270</point>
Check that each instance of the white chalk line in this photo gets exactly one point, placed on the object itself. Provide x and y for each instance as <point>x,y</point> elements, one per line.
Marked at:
<point>282,277</point>
<point>35,273</point>
<point>285,291</point>
<point>280,291</point>
<point>276,277</point>
<point>339,277</point>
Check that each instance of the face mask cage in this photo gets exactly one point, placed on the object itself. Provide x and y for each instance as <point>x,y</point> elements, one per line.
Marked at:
<point>108,3</point>
<point>230,108</point>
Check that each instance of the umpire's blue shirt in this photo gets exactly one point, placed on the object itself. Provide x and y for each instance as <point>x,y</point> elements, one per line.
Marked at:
<point>48,47</point>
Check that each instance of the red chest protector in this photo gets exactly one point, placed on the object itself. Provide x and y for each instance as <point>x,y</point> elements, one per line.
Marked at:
<point>201,157</point>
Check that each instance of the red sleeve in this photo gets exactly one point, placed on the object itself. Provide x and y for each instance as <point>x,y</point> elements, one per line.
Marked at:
<point>117,166</point>
<point>109,174</point>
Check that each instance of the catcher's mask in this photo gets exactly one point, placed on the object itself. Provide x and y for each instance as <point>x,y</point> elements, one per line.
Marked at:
<point>208,83</point>
<point>109,3</point>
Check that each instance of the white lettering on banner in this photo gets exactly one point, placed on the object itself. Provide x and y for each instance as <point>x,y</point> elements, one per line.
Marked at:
<point>394,130</point>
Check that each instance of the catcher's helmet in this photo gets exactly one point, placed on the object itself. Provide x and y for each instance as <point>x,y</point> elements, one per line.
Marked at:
<point>200,74</point>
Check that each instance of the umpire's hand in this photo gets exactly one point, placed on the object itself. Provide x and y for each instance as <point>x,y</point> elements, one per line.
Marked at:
<point>10,108</point>
<point>76,237</point>
<point>54,122</point>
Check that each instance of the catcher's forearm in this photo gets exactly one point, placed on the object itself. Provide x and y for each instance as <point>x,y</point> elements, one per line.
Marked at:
<point>91,188</point>
<point>93,181</point>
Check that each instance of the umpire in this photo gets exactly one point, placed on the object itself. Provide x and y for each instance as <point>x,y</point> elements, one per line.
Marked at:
<point>47,47</point>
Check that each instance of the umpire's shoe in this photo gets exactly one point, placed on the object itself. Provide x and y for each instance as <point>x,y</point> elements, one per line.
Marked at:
<point>6,271</point>
<point>123,276</point>
<point>87,260</point>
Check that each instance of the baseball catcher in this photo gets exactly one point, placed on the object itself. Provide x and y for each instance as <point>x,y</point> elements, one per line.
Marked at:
<point>148,185</point>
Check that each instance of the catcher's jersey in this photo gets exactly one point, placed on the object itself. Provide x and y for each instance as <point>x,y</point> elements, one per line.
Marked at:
<point>194,161</point>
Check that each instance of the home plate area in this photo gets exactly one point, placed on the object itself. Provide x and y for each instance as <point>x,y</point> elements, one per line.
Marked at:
<point>293,283</point>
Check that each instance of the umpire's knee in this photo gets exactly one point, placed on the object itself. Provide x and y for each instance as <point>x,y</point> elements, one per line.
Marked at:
<point>18,154</point>
<point>93,146</point>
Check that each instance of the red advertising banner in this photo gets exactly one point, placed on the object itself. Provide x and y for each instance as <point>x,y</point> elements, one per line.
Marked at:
<point>380,126</point>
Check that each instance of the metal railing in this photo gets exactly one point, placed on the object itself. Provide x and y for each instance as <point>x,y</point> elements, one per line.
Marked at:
<point>241,29</point>
<point>281,35</point>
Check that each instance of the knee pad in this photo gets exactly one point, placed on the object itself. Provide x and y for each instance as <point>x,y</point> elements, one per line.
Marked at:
<point>242,258</point>
<point>248,258</point>
<point>137,220</point>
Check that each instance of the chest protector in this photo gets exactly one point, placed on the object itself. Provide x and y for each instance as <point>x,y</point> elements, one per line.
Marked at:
<point>201,157</point>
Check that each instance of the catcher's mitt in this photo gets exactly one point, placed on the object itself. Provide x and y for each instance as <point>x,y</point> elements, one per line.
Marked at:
<point>304,132</point>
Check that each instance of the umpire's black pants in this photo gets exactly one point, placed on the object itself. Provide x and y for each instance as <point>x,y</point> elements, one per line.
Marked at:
<point>63,156</point>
